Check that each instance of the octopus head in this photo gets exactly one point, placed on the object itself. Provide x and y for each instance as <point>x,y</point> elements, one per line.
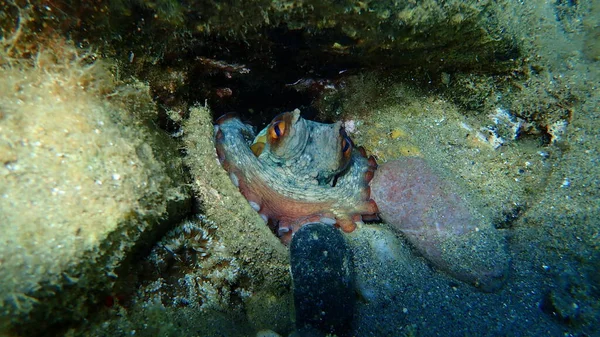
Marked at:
<point>314,150</point>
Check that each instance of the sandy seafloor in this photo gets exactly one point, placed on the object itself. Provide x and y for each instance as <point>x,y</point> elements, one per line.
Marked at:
<point>411,298</point>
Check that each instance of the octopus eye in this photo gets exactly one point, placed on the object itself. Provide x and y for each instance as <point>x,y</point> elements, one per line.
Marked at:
<point>346,146</point>
<point>277,130</point>
<point>346,143</point>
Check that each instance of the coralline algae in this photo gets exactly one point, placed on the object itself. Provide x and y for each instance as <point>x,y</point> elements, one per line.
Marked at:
<point>439,223</point>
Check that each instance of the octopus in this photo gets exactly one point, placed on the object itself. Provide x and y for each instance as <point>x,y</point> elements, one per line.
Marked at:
<point>297,172</point>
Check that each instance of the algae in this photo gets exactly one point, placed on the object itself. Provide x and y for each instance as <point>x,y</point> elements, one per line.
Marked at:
<point>395,119</point>
<point>84,179</point>
<point>243,233</point>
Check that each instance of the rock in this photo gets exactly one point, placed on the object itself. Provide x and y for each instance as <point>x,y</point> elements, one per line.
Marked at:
<point>323,281</point>
<point>267,333</point>
<point>84,183</point>
<point>440,224</point>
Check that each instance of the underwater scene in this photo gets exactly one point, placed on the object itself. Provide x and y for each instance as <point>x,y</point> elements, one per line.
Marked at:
<point>299,168</point>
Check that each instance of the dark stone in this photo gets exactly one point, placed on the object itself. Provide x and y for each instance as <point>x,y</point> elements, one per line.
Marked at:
<point>561,306</point>
<point>323,280</point>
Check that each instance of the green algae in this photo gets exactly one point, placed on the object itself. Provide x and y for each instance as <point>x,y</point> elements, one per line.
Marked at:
<point>83,181</point>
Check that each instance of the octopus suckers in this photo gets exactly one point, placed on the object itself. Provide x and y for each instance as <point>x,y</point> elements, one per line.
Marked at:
<point>255,206</point>
<point>329,221</point>
<point>234,179</point>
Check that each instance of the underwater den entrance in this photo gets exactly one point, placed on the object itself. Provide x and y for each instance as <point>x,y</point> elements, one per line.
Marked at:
<point>257,82</point>
<point>259,93</point>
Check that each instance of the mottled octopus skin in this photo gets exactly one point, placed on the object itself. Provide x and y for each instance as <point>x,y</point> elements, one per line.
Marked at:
<point>301,177</point>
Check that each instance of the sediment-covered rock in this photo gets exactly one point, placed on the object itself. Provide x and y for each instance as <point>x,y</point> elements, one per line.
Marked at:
<point>83,181</point>
<point>440,224</point>
<point>242,232</point>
